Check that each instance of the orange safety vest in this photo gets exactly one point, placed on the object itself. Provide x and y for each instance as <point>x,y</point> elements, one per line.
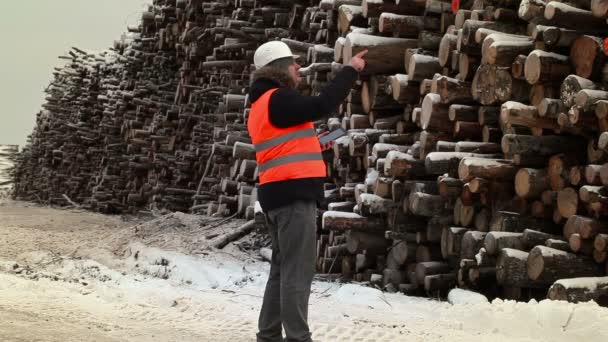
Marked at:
<point>283,153</point>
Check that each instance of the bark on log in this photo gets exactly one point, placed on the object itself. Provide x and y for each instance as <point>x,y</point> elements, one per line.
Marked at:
<point>406,25</point>
<point>470,27</point>
<point>422,66</point>
<point>340,221</point>
<point>542,66</point>
<point>497,169</point>
<point>371,244</point>
<point>472,242</point>
<point>439,283</point>
<point>557,37</point>
<point>374,8</point>
<point>435,115</point>
<point>398,164</point>
<point>572,85</point>
<point>370,204</point>
<point>495,241</point>
<point>546,265</point>
<point>504,52</point>
<point>426,205</point>
<point>485,148</point>
<point>243,151</point>
<point>454,91</point>
<point>403,90</point>
<point>506,221</point>
<point>223,240</point>
<point>551,108</point>
<point>435,225</point>
<point>511,269</point>
<point>437,163</point>
<point>519,114</point>
<point>587,99</point>
<point>425,253</point>
<point>558,244</point>
<point>530,183</point>
<point>429,40</point>
<point>532,238</point>
<point>424,269</point>
<point>385,54</point>
<point>567,16</point>
<point>459,112</point>
<point>543,145</point>
<point>451,241</point>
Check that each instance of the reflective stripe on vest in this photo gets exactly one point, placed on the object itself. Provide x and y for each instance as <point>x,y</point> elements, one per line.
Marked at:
<point>293,158</point>
<point>302,133</point>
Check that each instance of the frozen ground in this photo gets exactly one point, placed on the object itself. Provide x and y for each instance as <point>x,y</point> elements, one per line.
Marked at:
<point>67,275</point>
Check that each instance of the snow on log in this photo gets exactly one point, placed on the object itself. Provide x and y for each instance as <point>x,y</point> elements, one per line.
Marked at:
<point>578,290</point>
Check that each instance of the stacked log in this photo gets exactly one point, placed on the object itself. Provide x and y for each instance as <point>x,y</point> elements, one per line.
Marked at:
<point>477,145</point>
<point>8,157</point>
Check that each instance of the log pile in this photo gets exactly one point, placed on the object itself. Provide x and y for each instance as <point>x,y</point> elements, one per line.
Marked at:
<point>8,157</point>
<point>477,146</point>
<point>158,121</point>
<point>477,161</point>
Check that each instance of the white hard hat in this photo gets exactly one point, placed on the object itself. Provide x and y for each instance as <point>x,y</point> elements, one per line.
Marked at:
<point>271,51</point>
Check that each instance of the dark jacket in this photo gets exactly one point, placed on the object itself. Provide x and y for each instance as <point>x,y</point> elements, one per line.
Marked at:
<point>288,108</point>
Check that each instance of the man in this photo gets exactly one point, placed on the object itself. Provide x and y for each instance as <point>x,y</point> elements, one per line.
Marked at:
<point>292,173</point>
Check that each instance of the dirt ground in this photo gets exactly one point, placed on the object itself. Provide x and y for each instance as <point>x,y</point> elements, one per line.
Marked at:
<point>68,275</point>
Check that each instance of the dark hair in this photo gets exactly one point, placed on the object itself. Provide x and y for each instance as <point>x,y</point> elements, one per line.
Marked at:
<point>282,63</point>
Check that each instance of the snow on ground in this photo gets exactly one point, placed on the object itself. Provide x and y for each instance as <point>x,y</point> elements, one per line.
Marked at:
<point>547,320</point>
<point>78,276</point>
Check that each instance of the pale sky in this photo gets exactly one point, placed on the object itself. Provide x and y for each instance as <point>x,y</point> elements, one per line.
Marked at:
<point>33,33</point>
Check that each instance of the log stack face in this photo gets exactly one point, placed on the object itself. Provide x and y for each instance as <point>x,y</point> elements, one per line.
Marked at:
<point>477,146</point>
<point>8,157</point>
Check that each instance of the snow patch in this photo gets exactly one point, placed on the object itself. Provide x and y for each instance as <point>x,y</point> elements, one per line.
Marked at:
<point>391,16</point>
<point>367,40</point>
<point>548,320</point>
<point>213,271</point>
<point>341,214</point>
<point>438,156</point>
<point>343,140</point>
<point>359,295</point>
<point>461,297</point>
<point>588,283</point>
<point>258,208</point>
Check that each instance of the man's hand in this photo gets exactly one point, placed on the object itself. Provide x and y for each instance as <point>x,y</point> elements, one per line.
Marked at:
<point>328,145</point>
<point>358,62</point>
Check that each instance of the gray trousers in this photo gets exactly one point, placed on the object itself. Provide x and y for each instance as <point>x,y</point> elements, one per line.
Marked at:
<point>292,229</point>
